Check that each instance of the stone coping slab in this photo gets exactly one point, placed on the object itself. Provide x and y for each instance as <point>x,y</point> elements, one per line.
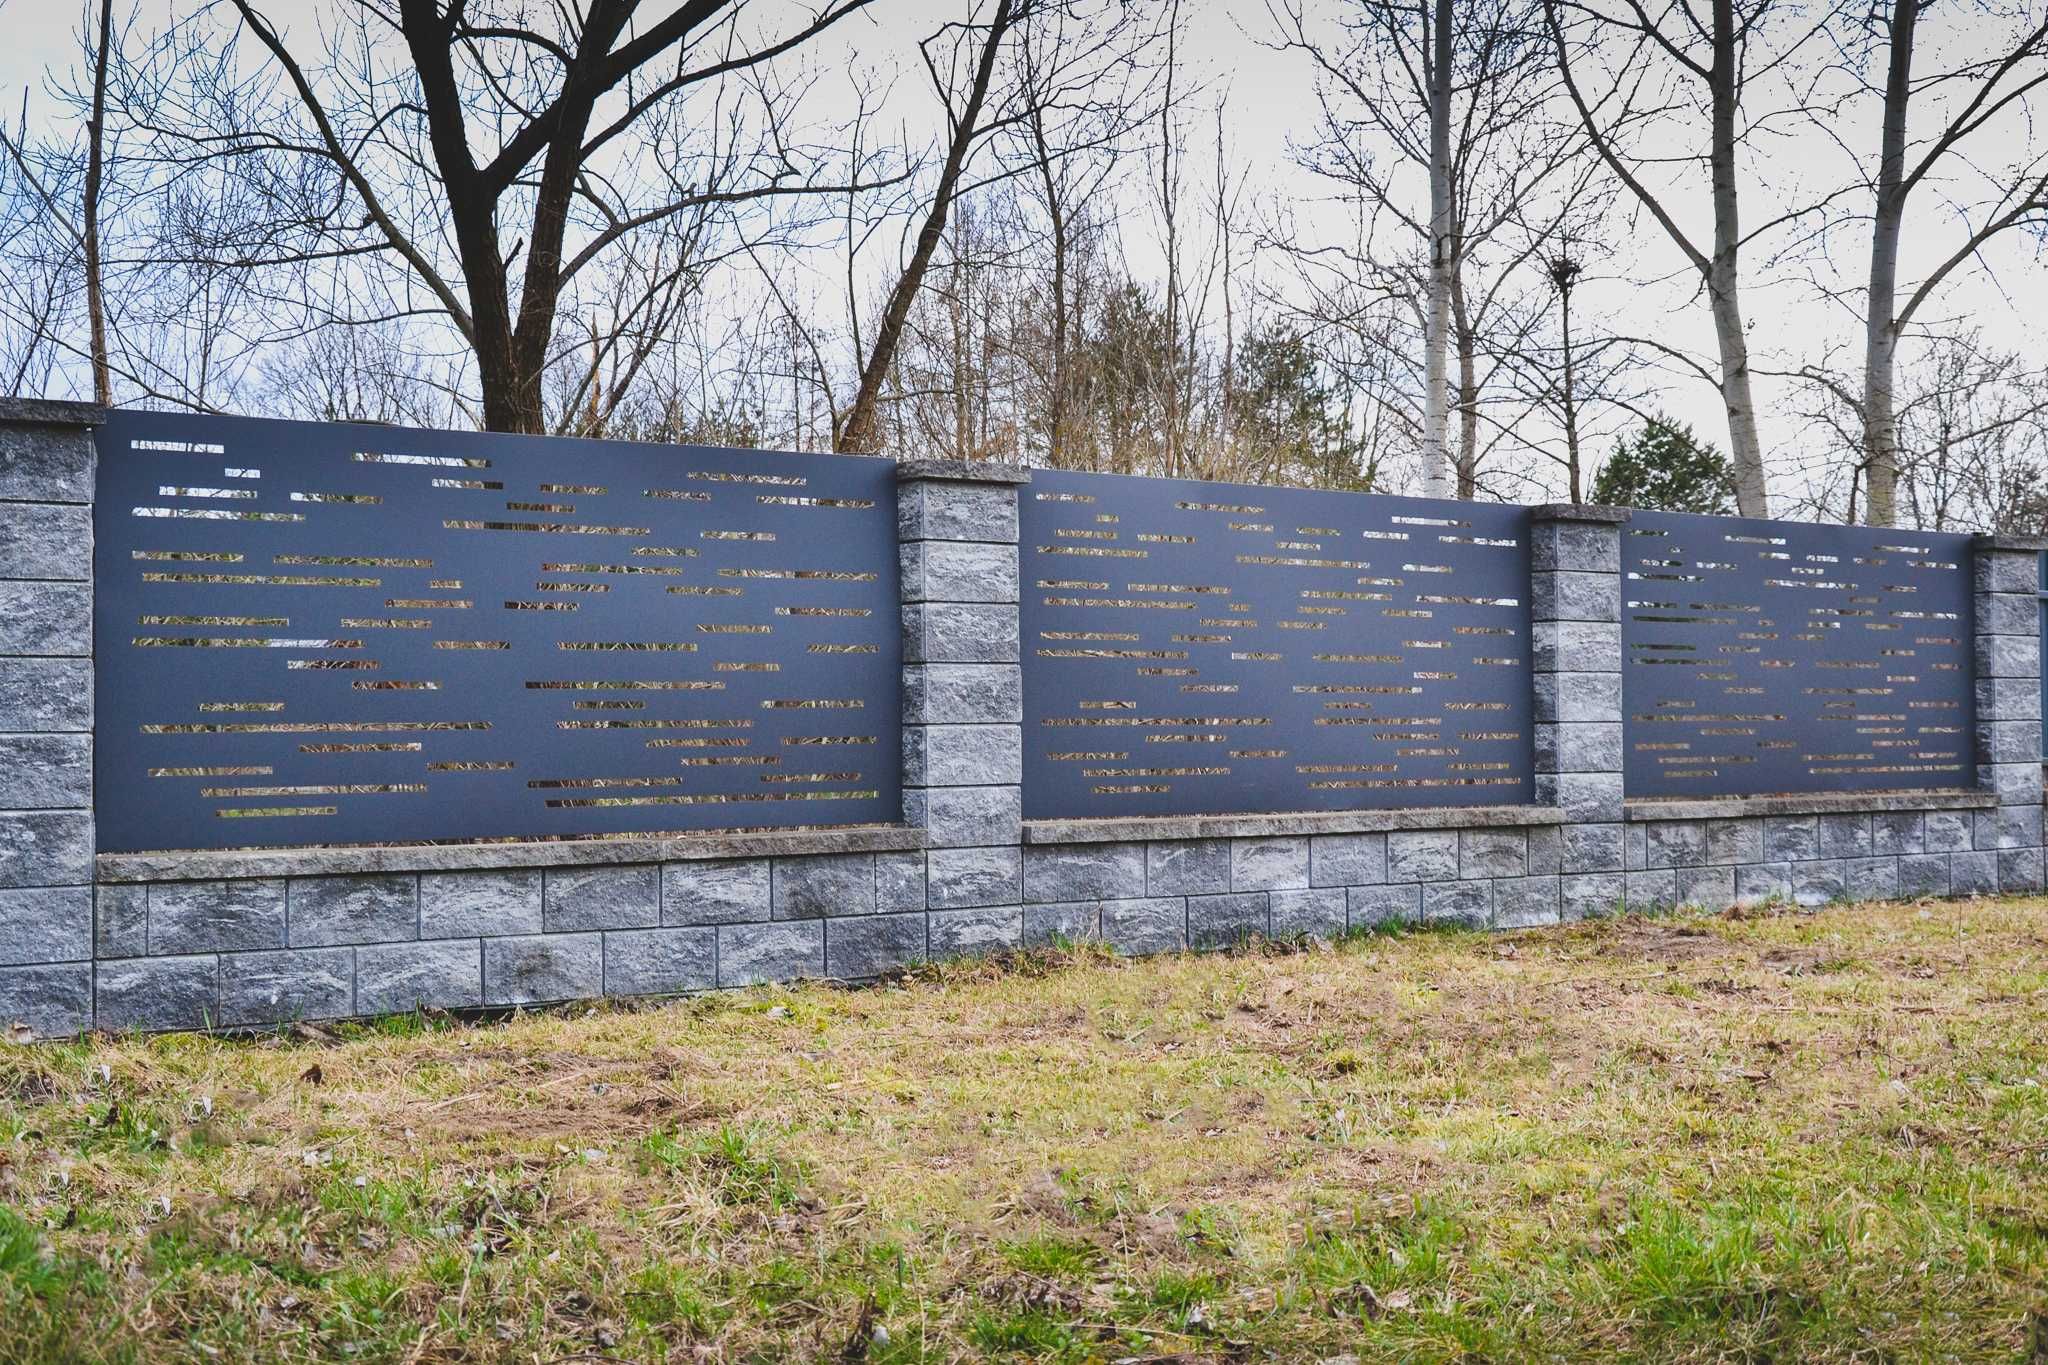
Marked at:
<point>963,471</point>
<point>2010,543</point>
<point>50,412</point>
<point>1812,803</point>
<point>220,864</point>
<point>1124,830</point>
<point>1579,511</point>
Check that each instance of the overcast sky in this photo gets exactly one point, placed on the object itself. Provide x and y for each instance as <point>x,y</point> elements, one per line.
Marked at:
<point>1271,101</point>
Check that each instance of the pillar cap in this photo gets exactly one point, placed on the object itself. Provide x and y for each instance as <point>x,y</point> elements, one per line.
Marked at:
<point>1580,511</point>
<point>2016,544</point>
<point>961,471</point>
<point>50,412</point>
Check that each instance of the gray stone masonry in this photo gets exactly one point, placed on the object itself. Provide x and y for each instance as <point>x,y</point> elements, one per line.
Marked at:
<point>47,931</point>
<point>1575,651</point>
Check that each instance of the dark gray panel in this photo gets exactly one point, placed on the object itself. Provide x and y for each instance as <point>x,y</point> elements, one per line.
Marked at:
<point>1201,648</point>
<point>1773,656</point>
<point>401,635</point>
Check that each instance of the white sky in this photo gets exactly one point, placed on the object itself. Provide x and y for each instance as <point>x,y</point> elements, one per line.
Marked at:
<point>1271,99</point>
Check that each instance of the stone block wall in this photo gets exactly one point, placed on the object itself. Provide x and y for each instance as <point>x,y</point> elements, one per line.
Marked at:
<point>199,940</point>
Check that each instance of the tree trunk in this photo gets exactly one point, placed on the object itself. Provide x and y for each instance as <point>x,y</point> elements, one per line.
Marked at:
<point>1881,335</point>
<point>1571,399</point>
<point>1723,288</point>
<point>96,138</point>
<point>1436,456</point>
<point>862,434</point>
<point>1468,389</point>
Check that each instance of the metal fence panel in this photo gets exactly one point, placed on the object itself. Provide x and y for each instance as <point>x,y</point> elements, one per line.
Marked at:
<point>333,633</point>
<point>1202,648</point>
<point>1772,656</point>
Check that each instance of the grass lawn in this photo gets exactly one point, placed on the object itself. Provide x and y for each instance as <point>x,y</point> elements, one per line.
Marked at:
<point>1779,1137</point>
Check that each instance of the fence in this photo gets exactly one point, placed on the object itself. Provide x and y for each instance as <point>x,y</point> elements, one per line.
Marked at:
<point>309,720</point>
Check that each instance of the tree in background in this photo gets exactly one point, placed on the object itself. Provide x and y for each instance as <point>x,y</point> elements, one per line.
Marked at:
<point>1665,467</point>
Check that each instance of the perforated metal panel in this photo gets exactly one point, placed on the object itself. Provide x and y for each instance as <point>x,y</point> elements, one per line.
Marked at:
<point>313,633</point>
<point>1201,648</point>
<point>1771,656</point>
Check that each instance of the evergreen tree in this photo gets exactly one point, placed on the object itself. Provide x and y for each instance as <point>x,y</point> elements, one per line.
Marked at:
<point>1665,468</point>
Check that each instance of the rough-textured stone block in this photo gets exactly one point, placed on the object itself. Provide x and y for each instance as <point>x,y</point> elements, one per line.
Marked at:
<point>1522,902</point>
<point>45,695</point>
<point>2005,571</point>
<point>480,904</point>
<point>1590,848</point>
<point>210,917</point>
<point>1066,922</point>
<point>2019,869</point>
<point>1466,904</point>
<point>1635,853</point>
<point>1083,872</point>
<point>1579,747</point>
<point>399,978</point>
<point>45,540</point>
<point>1566,698</point>
<point>1347,859</point>
<point>53,999</point>
<point>2007,656</point>
<point>1592,547</point>
<point>1222,921</point>
<point>153,994</point>
<point>1546,850</point>
<point>1791,838</point>
<point>752,953</point>
<point>1675,843</point>
<point>1575,596</point>
<point>715,891</point>
<point>1322,912</point>
<point>1895,832</point>
<point>1652,889</point>
<point>1973,874</point>
<point>328,911</point>
<point>120,921</point>
<point>1705,888</point>
<point>868,945</point>
<point>960,633</point>
<point>46,772</point>
<point>280,987</point>
<point>1268,864</point>
<point>46,618</point>
<point>1156,924</point>
<point>963,694</point>
<point>660,961</point>
<point>2004,827</point>
<point>1872,879</point>
<point>2014,784</point>
<point>580,899</point>
<point>1493,853</point>
<point>543,968</point>
<point>957,571</point>
<point>1820,883</point>
<point>1187,867</point>
<point>1575,646</point>
<point>2007,699</point>
<point>1845,836</point>
<point>962,755</point>
<point>963,817</point>
<point>821,884</point>
<point>1422,856</point>
<point>1591,895</point>
<point>1738,840</point>
<point>966,877</point>
<point>45,924</point>
<point>46,463</point>
<point>1948,831</point>
<point>2007,613</point>
<point>2008,741</point>
<point>1368,906</point>
<point>1923,874</point>
<point>936,510</point>
<point>1589,798</point>
<point>45,848</point>
<point>972,933</point>
<point>900,882</point>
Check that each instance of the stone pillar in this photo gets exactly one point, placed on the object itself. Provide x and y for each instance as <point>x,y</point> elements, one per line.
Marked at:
<point>1575,639</point>
<point>46,830</point>
<point>963,694</point>
<point>2006,840</point>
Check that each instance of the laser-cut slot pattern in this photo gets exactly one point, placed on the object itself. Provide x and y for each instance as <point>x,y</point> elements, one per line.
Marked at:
<point>452,634</point>
<point>1332,642</point>
<point>1762,657</point>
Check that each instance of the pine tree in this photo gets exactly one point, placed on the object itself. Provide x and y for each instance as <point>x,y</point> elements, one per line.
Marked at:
<point>1665,468</point>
